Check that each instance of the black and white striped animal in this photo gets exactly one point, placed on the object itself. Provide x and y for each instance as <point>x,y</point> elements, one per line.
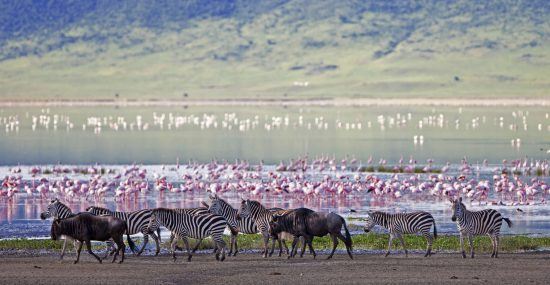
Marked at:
<point>58,210</point>
<point>138,222</point>
<point>404,223</point>
<point>262,217</point>
<point>190,211</point>
<point>86,227</point>
<point>245,225</point>
<point>185,225</point>
<point>472,223</point>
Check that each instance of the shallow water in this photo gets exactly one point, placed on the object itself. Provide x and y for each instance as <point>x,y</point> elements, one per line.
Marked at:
<point>19,216</point>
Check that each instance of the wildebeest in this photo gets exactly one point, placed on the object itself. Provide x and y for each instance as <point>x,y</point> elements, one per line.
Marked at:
<point>86,227</point>
<point>308,224</point>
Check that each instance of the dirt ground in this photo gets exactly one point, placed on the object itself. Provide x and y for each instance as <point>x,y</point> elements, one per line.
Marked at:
<point>531,268</point>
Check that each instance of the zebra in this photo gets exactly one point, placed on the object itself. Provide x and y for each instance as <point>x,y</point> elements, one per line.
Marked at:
<point>138,222</point>
<point>190,211</point>
<point>472,223</point>
<point>403,223</point>
<point>58,210</point>
<point>186,225</point>
<point>261,217</point>
<point>245,225</point>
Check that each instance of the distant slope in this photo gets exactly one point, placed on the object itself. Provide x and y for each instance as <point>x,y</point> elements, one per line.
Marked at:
<point>89,50</point>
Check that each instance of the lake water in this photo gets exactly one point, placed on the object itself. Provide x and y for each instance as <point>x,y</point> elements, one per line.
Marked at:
<point>151,136</point>
<point>148,135</point>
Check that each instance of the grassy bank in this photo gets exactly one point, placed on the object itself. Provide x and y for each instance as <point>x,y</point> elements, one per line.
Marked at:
<point>362,241</point>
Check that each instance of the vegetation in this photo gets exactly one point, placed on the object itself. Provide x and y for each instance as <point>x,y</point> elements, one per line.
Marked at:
<point>289,49</point>
<point>361,241</point>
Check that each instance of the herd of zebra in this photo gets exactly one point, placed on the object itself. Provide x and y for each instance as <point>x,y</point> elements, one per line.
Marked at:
<point>299,225</point>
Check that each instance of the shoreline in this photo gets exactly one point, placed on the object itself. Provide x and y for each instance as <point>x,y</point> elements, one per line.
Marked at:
<point>336,102</point>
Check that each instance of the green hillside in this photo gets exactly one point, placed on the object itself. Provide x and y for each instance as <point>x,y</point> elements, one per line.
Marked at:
<point>274,50</point>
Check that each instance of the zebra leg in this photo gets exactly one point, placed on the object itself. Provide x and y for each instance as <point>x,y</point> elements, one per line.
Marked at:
<point>471,242</point>
<point>220,244</point>
<point>496,245</point>
<point>157,242</point>
<point>189,254</point>
<point>197,246</point>
<point>231,239</point>
<point>429,241</point>
<point>89,248</point>
<point>400,237</point>
<point>462,245</point>
<point>236,246</point>
<point>78,252</point>
<point>334,245</point>
<point>145,233</point>
<point>389,245</point>
<point>266,244</point>
<point>173,242</point>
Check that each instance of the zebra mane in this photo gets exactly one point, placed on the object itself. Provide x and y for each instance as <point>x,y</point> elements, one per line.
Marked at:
<point>101,209</point>
<point>256,204</point>
<point>223,202</point>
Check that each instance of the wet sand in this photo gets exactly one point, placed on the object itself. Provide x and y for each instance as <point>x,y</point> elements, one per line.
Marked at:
<point>520,268</point>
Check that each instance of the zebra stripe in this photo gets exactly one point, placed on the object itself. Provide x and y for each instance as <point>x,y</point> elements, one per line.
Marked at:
<point>471,223</point>
<point>246,225</point>
<point>261,217</point>
<point>198,226</point>
<point>137,221</point>
<point>404,223</point>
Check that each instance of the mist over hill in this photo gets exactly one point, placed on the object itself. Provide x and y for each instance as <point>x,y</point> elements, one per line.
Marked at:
<point>273,49</point>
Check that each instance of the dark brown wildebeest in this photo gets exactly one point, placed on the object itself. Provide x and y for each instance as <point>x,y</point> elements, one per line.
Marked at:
<point>86,227</point>
<point>303,222</point>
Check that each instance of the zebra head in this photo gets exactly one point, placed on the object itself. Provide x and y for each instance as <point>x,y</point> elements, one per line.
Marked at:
<point>52,210</point>
<point>245,209</point>
<point>216,206</point>
<point>458,208</point>
<point>369,222</point>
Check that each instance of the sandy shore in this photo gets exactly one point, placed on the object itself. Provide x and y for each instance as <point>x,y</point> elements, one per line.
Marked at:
<point>520,102</point>
<point>521,268</point>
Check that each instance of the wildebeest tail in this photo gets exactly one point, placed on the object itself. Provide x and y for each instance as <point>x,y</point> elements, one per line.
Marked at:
<point>508,221</point>
<point>348,236</point>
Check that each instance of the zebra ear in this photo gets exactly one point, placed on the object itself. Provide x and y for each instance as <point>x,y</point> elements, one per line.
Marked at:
<point>460,199</point>
<point>216,196</point>
<point>211,197</point>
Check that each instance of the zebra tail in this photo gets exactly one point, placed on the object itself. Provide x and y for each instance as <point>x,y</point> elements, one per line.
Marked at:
<point>508,221</point>
<point>435,230</point>
<point>131,243</point>
<point>348,236</point>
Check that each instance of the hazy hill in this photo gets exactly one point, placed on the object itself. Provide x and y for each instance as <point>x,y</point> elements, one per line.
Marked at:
<point>273,49</point>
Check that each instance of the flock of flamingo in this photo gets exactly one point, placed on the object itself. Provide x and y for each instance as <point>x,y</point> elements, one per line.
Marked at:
<point>518,182</point>
<point>45,120</point>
